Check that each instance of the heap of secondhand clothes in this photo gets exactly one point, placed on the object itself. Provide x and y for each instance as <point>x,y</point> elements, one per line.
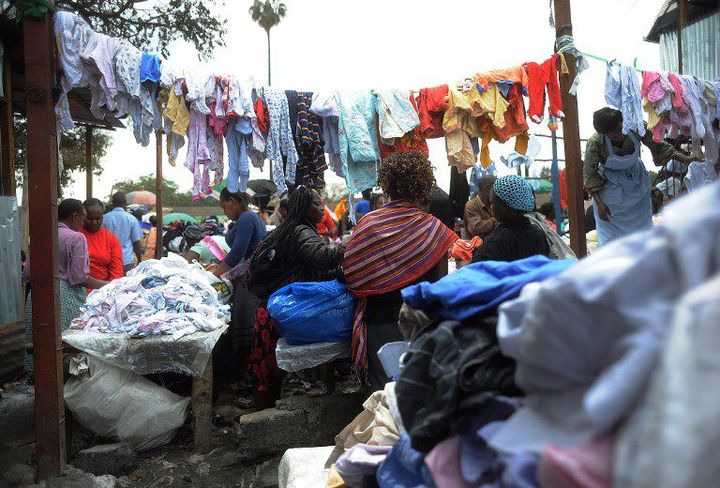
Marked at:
<point>169,296</point>
<point>556,374</point>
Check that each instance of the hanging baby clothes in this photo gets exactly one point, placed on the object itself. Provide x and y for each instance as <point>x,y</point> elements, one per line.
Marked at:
<point>540,77</point>
<point>325,105</point>
<point>99,55</point>
<point>150,68</point>
<point>176,120</point>
<point>516,74</point>
<point>396,115</point>
<point>307,131</point>
<point>431,104</point>
<point>260,126</point>
<point>201,158</point>
<point>280,141</point>
<point>238,139</point>
<point>657,93</point>
<point>413,141</point>
<point>702,128</point>
<point>71,37</point>
<point>262,115</point>
<point>699,174</point>
<point>622,90</point>
<point>457,140</point>
<point>357,136</point>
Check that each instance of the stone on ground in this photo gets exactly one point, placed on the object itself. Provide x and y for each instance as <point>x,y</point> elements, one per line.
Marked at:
<point>114,459</point>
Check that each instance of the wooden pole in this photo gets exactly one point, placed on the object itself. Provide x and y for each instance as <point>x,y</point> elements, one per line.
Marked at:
<point>158,195</point>
<point>571,137</point>
<point>88,162</point>
<point>682,23</point>
<point>43,183</point>
<point>7,141</point>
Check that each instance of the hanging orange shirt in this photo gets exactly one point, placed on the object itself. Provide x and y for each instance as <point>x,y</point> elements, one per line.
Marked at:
<point>106,257</point>
<point>516,74</point>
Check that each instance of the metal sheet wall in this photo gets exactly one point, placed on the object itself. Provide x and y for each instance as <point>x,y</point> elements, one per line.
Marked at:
<point>701,49</point>
<point>12,343</point>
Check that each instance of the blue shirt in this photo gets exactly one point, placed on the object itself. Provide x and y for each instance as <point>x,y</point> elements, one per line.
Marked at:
<point>362,207</point>
<point>244,237</point>
<point>126,228</point>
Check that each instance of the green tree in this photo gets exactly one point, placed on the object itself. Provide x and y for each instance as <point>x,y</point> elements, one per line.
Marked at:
<point>268,14</point>
<point>72,148</point>
<point>545,172</point>
<point>172,196</point>
<point>143,23</point>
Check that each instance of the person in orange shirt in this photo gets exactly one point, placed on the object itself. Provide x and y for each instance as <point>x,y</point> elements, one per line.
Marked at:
<point>327,226</point>
<point>106,257</point>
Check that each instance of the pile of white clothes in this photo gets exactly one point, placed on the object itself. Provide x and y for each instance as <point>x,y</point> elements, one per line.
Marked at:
<point>169,296</point>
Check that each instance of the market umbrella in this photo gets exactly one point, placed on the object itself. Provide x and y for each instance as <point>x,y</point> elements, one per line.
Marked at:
<point>173,216</point>
<point>540,187</point>
<point>140,197</point>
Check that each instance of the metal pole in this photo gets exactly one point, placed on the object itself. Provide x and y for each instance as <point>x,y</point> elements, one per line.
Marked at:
<point>7,143</point>
<point>88,162</point>
<point>158,195</point>
<point>43,183</point>
<point>571,134</point>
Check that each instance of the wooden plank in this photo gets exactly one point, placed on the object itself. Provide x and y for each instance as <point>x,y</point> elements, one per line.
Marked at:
<point>571,138</point>
<point>158,195</point>
<point>7,140</point>
<point>43,184</point>
<point>202,409</point>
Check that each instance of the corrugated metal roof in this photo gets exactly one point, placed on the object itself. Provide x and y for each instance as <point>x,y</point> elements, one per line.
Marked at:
<point>701,49</point>
<point>667,17</point>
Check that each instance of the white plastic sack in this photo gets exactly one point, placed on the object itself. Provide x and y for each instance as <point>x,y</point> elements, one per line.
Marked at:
<point>297,358</point>
<point>121,405</point>
<point>304,468</point>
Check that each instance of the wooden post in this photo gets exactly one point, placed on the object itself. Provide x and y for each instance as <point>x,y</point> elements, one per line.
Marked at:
<point>202,409</point>
<point>7,142</point>
<point>88,162</point>
<point>43,183</point>
<point>571,137</point>
<point>158,195</point>
<point>682,23</point>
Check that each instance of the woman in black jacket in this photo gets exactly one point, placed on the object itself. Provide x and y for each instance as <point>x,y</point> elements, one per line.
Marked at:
<point>293,252</point>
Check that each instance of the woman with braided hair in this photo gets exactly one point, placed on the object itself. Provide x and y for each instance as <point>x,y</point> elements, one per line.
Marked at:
<point>293,252</point>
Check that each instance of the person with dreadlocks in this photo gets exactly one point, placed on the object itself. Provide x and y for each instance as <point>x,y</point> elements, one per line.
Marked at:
<point>293,252</point>
<point>395,246</point>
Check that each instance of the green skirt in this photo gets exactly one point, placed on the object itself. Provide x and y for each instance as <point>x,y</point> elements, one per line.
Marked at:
<point>72,297</point>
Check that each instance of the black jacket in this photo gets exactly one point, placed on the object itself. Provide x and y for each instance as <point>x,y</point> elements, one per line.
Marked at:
<point>305,257</point>
<point>513,240</point>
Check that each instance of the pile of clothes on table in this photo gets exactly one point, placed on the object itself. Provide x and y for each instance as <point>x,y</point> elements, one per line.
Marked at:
<point>557,374</point>
<point>167,296</point>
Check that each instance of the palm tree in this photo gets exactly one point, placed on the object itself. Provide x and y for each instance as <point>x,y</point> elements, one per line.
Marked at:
<point>268,14</point>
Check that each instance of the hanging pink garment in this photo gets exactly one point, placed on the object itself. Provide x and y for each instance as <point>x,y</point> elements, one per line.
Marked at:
<point>200,158</point>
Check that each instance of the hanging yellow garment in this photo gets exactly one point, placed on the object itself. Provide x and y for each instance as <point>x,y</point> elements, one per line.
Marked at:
<point>490,104</point>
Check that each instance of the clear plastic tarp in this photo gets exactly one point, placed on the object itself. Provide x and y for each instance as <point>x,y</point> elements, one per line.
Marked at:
<point>296,358</point>
<point>151,354</point>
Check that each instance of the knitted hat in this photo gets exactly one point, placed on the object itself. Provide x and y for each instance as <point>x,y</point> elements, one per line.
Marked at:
<point>516,192</point>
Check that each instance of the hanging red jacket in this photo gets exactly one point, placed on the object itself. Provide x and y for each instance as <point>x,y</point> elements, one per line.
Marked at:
<point>263,117</point>
<point>540,77</point>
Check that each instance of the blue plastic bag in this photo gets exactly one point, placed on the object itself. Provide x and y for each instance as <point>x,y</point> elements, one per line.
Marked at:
<point>308,313</point>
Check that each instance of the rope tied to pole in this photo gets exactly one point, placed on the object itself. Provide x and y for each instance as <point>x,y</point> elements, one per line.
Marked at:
<point>566,44</point>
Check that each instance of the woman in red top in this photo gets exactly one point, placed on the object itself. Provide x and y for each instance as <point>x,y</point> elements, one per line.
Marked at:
<point>327,227</point>
<point>106,258</point>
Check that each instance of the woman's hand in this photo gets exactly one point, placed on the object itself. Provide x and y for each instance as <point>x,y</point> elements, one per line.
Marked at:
<point>602,208</point>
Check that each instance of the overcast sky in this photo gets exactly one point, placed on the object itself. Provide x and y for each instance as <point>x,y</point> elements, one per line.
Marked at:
<point>408,44</point>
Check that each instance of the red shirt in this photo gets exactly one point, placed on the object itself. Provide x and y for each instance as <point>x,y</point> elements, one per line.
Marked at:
<point>106,257</point>
<point>327,226</point>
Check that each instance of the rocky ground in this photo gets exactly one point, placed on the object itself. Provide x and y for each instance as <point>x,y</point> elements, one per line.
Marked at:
<point>247,445</point>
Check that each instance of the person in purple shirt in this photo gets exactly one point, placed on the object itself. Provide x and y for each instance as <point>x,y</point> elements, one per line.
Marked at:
<point>73,265</point>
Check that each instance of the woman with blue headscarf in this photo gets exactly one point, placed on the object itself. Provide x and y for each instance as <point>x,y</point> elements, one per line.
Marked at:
<point>515,236</point>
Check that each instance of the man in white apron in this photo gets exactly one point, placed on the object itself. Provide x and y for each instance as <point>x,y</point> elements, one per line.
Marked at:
<point>616,177</point>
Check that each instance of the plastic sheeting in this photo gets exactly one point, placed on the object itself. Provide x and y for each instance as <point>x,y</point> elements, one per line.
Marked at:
<point>12,343</point>
<point>152,354</point>
<point>304,468</point>
<point>296,358</point>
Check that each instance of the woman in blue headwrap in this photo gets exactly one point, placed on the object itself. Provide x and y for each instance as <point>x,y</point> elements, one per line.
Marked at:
<point>515,236</point>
